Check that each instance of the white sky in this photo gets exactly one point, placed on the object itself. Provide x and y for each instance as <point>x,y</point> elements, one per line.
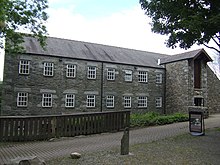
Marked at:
<point>127,27</point>
<point>119,23</point>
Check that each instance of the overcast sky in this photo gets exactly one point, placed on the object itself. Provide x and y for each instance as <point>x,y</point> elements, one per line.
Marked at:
<point>112,22</point>
<point>119,23</point>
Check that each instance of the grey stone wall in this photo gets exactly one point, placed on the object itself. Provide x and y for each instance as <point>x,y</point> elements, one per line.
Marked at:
<point>59,85</point>
<point>120,88</point>
<point>193,92</point>
<point>177,83</point>
<point>213,101</point>
<point>180,91</point>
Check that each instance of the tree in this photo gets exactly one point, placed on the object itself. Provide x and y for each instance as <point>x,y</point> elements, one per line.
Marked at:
<point>0,96</point>
<point>18,16</point>
<point>186,22</point>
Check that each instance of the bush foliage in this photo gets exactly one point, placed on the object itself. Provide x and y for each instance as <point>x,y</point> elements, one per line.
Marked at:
<point>152,118</point>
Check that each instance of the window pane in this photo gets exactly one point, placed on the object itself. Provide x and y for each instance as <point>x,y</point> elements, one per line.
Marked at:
<point>198,101</point>
<point>128,75</point>
<point>48,69</point>
<point>22,99</point>
<point>90,101</point>
<point>47,100</point>
<point>91,72</point>
<point>159,78</point>
<point>70,100</point>
<point>159,102</point>
<point>71,71</point>
<point>111,74</point>
<point>110,101</point>
<point>127,101</point>
<point>142,101</point>
<point>24,67</point>
<point>142,76</point>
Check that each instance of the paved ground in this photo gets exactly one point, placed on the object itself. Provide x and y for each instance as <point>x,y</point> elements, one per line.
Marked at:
<point>47,150</point>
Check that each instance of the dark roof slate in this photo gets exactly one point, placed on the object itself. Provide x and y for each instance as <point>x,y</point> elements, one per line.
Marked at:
<point>91,51</point>
<point>184,56</point>
<point>103,53</point>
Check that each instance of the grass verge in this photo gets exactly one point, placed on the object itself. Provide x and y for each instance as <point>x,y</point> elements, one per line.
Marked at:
<point>181,150</point>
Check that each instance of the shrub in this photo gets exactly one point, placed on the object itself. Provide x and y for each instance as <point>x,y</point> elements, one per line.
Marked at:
<point>141,120</point>
<point>152,118</point>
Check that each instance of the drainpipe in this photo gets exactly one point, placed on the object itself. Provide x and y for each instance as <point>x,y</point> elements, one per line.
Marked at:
<point>164,86</point>
<point>101,95</point>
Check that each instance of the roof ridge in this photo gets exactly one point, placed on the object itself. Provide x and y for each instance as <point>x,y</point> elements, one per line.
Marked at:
<point>201,49</point>
<point>112,46</point>
<point>184,56</point>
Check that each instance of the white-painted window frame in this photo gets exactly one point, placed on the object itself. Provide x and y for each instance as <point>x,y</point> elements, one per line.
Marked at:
<point>128,76</point>
<point>47,100</point>
<point>142,76</point>
<point>22,99</point>
<point>24,67</point>
<point>159,78</point>
<point>48,69</point>
<point>91,72</point>
<point>127,101</point>
<point>110,101</point>
<point>70,100</point>
<point>158,102</point>
<point>111,74</point>
<point>71,70</point>
<point>142,102</point>
<point>90,101</point>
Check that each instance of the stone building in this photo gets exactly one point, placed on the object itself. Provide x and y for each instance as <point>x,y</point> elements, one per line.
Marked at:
<point>186,81</point>
<point>73,76</point>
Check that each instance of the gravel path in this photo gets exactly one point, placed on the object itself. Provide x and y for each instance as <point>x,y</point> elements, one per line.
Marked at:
<point>62,147</point>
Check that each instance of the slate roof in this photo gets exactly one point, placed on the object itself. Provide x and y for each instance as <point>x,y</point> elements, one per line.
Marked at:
<point>103,53</point>
<point>91,51</point>
<point>184,56</point>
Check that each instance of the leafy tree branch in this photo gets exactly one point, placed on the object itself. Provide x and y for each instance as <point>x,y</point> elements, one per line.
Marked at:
<point>27,16</point>
<point>186,22</point>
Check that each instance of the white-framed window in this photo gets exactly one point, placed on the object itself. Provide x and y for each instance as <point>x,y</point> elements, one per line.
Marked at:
<point>90,102</point>
<point>159,78</point>
<point>47,100</point>
<point>91,72</point>
<point>71,70</point>
<point>110,74</point>
<point>142,101</point>
<point>127,102</point>
<point>48,69</point>
<point>110,101</point>
<point>22,99</point>
<point>24,67</point>
<point>128,75</point>
<point>70,100</point>
<point>158,102</point>
<point>142,76</point>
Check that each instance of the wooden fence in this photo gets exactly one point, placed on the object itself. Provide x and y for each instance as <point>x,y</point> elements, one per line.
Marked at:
<point>29,128</point>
